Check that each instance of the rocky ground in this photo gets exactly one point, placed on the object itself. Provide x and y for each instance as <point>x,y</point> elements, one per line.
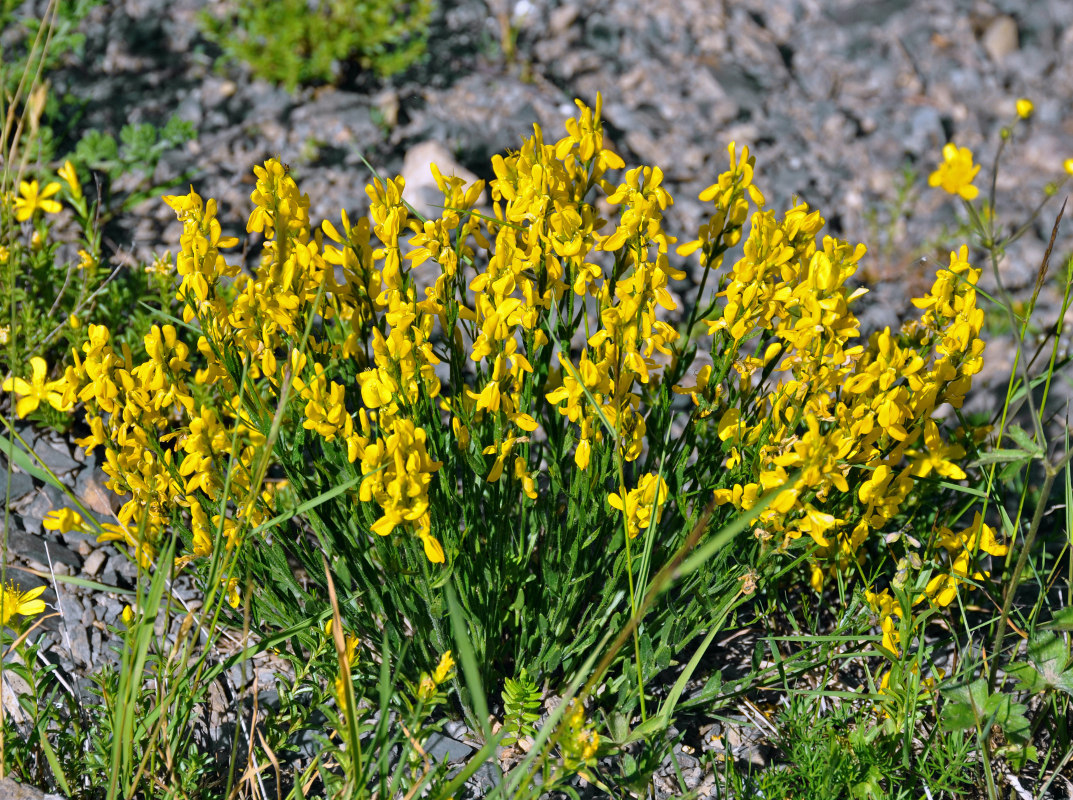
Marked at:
<point>839,100</point>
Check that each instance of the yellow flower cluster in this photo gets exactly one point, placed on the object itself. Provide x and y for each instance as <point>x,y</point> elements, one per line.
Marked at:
<point>334,318</point>
<point>839,410</point>
<point>579,741</point>
<point>961,549</point>
<point>638,504</point>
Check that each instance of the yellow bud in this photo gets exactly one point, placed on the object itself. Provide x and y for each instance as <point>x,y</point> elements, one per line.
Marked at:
<point>74,322</point>
<point>1024,107</point>
<point>127,615</point>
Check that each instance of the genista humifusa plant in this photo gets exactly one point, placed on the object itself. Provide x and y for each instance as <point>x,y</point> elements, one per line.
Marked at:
<point>507,400</point>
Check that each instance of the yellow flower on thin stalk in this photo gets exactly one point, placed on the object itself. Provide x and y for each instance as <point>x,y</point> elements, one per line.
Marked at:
<point>1025,107</point>
<point>347,659</point>
<point>32,393</point>
<point>31,198</point>
<point>426,689</point>
<point>70,176</point>
<point>13,601</point>
<point>957,172</point>
<point>579,742</point>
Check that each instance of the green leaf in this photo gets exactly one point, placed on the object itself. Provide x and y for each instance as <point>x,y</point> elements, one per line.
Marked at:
<point>1002,456</point>
<point>1049,655</point>
<point>1030,679</point>
<point>1062,620</point>
<point>468,660</point>
<point>1019,435</point>
<point>958,717</point>
<point>973,694</point>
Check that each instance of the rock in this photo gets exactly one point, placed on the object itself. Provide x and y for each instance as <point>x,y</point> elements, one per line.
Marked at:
<point>13,687</point>
<point>12,790</point>
<point>94,562</point>
<point>90,489</point>
<point>72,631</point>
<point>562,19</point>
<point>38,547</point>
<point>387,104</point>
<point>440,747</point>
<point>1000,38</point>
<point>21,485</point>
<point>421,190</point>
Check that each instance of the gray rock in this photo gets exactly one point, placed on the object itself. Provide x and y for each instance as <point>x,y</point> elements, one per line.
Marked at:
<point>12,790</point>
<point>73,633</point>
<point>440,747</point>
<point>20,486</point>
<point>40,548</point>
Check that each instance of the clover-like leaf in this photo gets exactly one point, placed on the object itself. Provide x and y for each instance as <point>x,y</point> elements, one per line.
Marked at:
<point>1049,667</point>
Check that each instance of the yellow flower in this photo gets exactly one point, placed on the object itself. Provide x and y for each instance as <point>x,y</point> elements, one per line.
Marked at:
<point>936,455</point>
<point>428,684</point>
<point>86,260</point>
<point>1024,107</point>
<point>127,615</point>
<point>13,601</point>
<point>70,175</point>
<point>886,606</point>
<point>956,174</point>
<point>31,198</point>
<point>234,596</point>
<point>65,520</point>
<point>579,741</point>
<point>31,394</point>
<point>1067,165</point>
<point>443,669</point>
<point>638,504</point>
<point>346,663</point>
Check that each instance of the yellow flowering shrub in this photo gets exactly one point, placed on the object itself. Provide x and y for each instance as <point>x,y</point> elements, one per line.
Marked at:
<point>508,428</point>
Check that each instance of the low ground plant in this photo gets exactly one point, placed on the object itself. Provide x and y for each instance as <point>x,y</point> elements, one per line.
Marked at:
<point>294,42</point>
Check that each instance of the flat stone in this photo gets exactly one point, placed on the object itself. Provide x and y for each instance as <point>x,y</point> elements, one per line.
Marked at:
<point>55,460</point>
<point>13,686</point>
<point>21,485</point>
<point>440,747</point>
<point>94,562</point>
<point>90,489</point>
<point>36,547</point>
<point>12,790</point>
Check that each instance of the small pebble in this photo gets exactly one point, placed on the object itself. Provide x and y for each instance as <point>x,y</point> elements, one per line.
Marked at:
<point>93,563</point>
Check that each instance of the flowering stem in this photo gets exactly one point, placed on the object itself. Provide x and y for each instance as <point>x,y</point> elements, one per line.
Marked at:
<point>1051,471</point>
